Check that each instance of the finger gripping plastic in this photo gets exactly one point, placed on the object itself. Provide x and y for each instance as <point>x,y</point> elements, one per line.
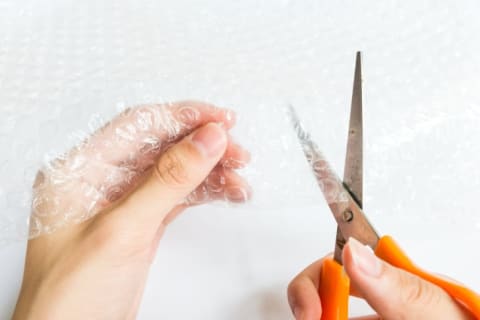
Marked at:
<point>115,158</point>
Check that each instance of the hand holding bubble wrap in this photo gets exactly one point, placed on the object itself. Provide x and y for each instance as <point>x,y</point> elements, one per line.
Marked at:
<point>107,166</point>
<point>131,178</point>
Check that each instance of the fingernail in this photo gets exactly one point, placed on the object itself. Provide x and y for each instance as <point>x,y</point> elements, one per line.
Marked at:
<point>210,140</point>
<point>230,116</point>
<point>236,194</point>
<point>215,182</point>
<point>364,258</point>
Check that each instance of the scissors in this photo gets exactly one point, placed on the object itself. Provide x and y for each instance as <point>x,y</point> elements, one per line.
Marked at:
<point>345,201</point>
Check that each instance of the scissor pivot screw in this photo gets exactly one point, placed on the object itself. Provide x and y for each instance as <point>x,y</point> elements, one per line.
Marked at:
<point>347,215</point>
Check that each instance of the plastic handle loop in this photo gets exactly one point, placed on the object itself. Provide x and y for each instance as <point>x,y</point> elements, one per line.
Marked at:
<point>388,250</point>
<point>334,291</point>
<point>335,284</point>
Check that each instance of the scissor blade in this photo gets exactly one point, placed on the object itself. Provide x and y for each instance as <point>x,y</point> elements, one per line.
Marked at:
<point>331,186</point>
<point>350,218</point>
<point>353,173</point>
<point>328,181</point>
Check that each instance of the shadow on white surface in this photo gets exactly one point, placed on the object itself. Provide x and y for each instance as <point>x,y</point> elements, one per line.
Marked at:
<point>266,304</point>
<point>12,260</point>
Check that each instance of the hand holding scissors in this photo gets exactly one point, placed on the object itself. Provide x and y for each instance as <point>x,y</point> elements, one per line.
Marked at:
<point>365,264</point>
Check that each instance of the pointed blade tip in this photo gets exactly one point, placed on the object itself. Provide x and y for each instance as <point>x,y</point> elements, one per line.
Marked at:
<point>358,61</point>
<point>359,55</point>
<point>297,125</point>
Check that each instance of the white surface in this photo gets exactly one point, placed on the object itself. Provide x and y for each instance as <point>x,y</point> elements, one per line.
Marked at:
<point>63,61</point>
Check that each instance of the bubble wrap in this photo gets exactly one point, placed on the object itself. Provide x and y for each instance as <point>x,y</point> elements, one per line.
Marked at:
<point>68,66</point>
<point>112,161</point>
<point>327,179</point>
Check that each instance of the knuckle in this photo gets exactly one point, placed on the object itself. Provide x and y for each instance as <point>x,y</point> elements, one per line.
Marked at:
<point>418,292</point>
<point>292,290</point>
<point>298,284</point>
<point>171,169</point>
<point>187,115</point>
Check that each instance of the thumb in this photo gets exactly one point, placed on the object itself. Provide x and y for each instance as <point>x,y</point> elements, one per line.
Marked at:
<point>395,293</point>
<point>177,173</point>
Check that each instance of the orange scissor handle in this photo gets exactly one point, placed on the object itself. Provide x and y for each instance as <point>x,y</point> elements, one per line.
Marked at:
<point>334,284</point>
<point>334,290</point>
<point>388,250</point>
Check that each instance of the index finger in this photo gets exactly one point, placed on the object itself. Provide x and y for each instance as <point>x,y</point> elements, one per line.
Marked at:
<point>303,294</point>
<point>145,130</point>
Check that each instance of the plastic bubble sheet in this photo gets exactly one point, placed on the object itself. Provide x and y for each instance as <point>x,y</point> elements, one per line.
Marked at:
<point>67,69</point>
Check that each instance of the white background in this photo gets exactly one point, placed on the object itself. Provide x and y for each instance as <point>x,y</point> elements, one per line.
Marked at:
<point>63,62</point>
